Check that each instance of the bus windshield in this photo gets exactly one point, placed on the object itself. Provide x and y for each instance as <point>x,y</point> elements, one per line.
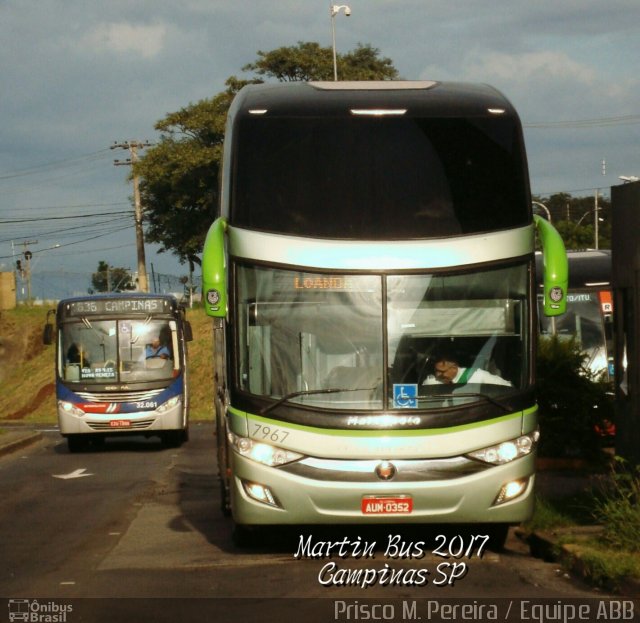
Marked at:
<point>122,351</point>
<point>379,179</point>
<point>372,340</point>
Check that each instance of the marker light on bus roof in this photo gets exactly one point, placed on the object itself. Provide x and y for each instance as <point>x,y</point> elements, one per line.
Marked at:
<point>378,112</point>
<point>496,111</point>
<point>258,111</point>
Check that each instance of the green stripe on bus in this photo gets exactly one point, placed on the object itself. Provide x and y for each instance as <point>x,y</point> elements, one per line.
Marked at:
<point>404,432</point>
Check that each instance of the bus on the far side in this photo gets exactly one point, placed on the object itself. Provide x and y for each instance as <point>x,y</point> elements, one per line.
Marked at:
<point>121,367</point>
<point>589,316</point>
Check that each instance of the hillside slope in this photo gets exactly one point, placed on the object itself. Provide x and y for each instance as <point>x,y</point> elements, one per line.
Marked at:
<point>27,367</point>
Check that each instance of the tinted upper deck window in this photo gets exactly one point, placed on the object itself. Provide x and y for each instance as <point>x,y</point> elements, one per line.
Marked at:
<point>378,178</point>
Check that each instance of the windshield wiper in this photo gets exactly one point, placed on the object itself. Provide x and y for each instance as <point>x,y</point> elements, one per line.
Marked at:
<point>498,403</point>
<point>310,392</point>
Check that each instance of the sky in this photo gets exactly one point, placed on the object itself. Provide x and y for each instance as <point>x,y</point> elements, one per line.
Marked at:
<point>78,76</point>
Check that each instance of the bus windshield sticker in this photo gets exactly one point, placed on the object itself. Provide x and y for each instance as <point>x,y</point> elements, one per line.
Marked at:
<point>98,373</point>
<point>405,396</point>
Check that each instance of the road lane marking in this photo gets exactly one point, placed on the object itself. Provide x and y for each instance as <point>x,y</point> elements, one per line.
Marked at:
<point>78,473</point>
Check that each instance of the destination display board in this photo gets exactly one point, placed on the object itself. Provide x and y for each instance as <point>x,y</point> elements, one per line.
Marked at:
<point>119,306</point>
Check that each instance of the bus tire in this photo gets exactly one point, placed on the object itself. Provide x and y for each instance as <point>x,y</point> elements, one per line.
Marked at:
<point>498,533</point>
<point>225,498</point>
<point>245,536</point>
<point>77,443</point>
<point>173,438</point>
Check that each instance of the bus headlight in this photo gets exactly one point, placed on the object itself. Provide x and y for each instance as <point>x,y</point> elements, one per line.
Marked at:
<point>264,453</point>
<point>70,408</point>
<point>169,404</point>
<point>507,451</point>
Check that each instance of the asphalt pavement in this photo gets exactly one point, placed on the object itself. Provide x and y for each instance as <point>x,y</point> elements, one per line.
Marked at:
<point>550,482</point>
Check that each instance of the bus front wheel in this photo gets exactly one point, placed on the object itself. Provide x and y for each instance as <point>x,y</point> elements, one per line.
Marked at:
<point>175,438</point>
<point>77,443</point>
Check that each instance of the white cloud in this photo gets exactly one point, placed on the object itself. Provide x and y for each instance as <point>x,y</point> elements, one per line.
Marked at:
<point>125,38</point>
<point>532,67</point>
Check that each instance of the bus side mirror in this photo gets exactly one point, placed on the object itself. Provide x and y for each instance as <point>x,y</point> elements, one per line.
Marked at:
<point>556,268</point>
<point>214,278</point>
<point>47,334</point>
<point>188,332</point>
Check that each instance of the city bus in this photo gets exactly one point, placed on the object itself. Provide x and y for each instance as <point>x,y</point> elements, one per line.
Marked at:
<point>365,229</point>
<point>121,367</point>
<point>589,315</point>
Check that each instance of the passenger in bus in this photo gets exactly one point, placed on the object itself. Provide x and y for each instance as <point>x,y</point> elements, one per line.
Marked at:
<point>77,353</point>
<point>447,370</point>
<point>156,350</point>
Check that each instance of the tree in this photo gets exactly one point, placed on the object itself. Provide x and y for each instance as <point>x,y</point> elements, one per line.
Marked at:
<point>310,61</point>
<point>110,279</point>
<point>179,175</point>
<point>573,217</point>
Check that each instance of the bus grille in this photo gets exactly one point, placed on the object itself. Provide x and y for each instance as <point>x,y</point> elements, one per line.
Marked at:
<point>134,425</point>
<point>120,396</point>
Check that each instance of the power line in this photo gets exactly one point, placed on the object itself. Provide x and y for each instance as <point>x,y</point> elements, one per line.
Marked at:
<point>39,168</point>
<point>76,205</point>
<point>60,218</point>
<point>585,123</point>
<point>84,226</point>
<point>68,244</point>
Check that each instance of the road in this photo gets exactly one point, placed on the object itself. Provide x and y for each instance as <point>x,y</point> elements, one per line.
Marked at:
<point>134,522</point>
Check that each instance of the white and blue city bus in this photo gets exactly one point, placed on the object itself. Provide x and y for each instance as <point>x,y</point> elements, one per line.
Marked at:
<point>121,367</point>
<point>366,227</point>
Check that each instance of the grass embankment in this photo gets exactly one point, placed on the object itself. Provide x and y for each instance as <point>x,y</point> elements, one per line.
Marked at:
<point>27,367</point>
<point>599,527</point>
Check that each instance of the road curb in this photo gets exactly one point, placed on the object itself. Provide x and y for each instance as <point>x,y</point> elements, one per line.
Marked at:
<point>16,441</point>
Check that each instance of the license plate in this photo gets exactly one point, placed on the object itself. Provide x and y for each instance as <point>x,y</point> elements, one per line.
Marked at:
<point>383,505</point>
<point>120,423</point>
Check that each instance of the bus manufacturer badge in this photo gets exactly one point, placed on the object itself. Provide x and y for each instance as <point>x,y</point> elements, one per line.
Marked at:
<point>555,294</point>
<point>385,470</point>
<point>213,297</point>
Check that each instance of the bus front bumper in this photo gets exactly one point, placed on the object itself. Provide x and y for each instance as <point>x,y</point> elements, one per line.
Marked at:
<point>270,495</point>
<point>169,417</point>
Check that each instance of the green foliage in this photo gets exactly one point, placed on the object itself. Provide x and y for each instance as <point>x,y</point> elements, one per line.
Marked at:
<point>111,279</point>
<point>309,61</point>
<point>573,217</point>
<point>571,401</point>
<point>608,570</point>
<point>618,510</point>
<point>179,175</point>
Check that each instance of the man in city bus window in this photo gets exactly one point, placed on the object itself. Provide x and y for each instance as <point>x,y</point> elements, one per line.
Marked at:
<point>447,370</point>
<point>156,350</point>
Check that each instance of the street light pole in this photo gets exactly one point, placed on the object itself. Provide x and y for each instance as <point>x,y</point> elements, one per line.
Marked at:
<point>595,221</point>
<point>544,207</point>
<point>334,9</point>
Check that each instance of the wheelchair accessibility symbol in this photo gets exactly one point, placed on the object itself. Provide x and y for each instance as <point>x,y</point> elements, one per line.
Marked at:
<point>405,396</point>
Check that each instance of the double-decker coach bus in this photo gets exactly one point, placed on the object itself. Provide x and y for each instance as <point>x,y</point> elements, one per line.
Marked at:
<point>121,367</point>
<point>589,315</point>
<point>372,282</point>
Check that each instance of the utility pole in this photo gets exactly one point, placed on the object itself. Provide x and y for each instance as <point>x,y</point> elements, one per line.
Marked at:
<point>133,147</point>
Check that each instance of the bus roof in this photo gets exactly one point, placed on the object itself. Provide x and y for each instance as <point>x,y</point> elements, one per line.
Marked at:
<point>117,295</point>
<point>418,98</point>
